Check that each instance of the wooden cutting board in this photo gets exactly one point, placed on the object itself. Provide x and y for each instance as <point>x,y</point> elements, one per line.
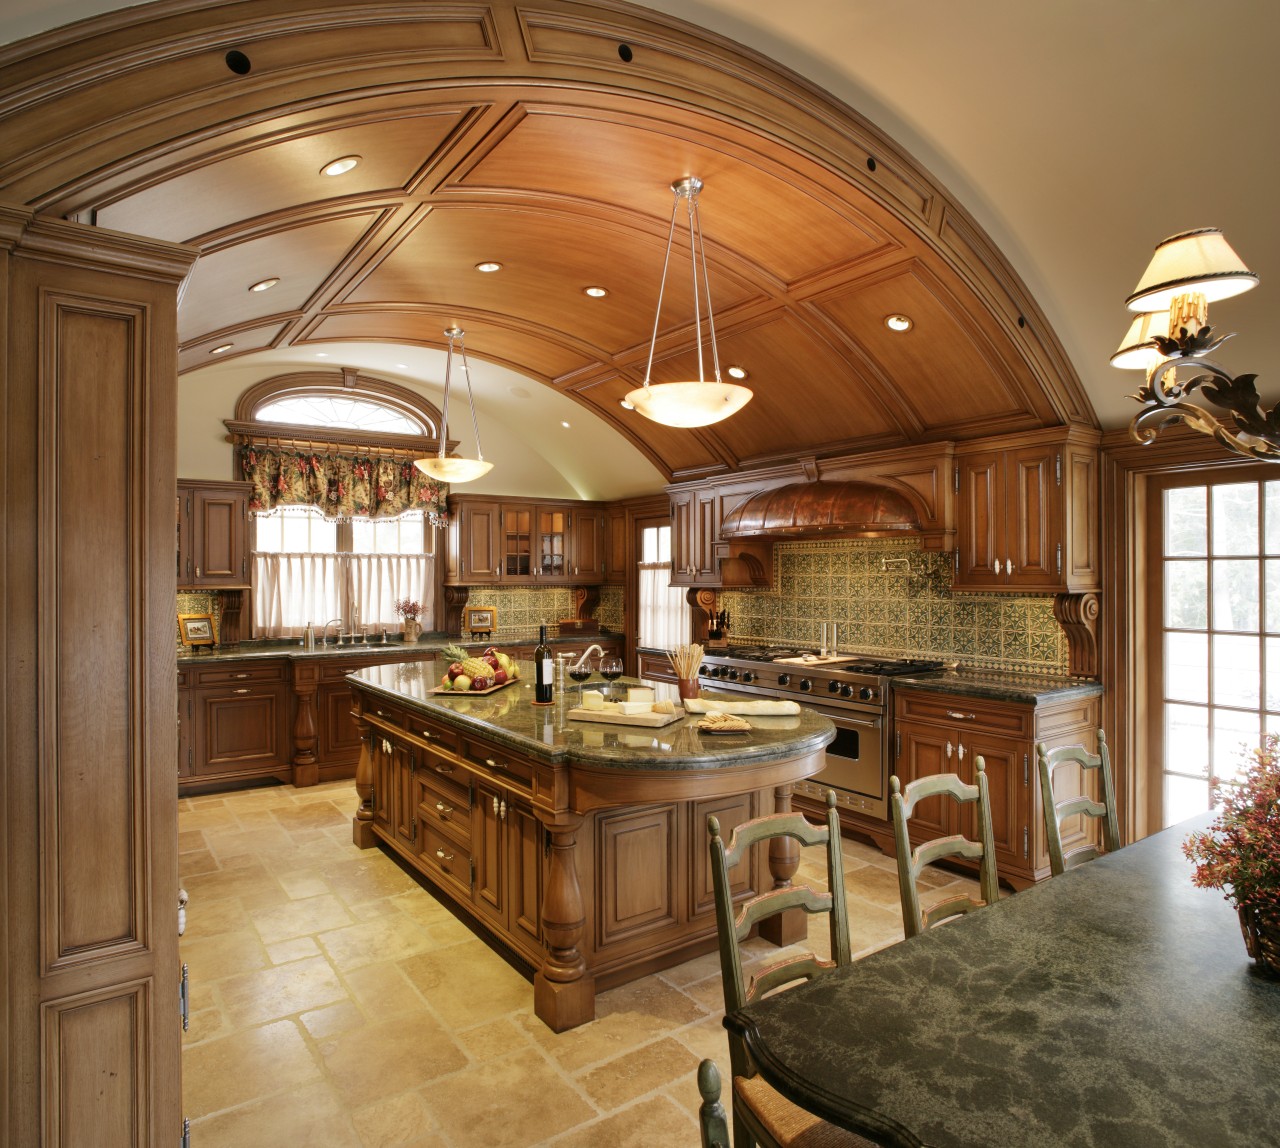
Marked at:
<point>652,720</point>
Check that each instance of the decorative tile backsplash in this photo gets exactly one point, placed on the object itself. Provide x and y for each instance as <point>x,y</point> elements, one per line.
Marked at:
<point>893,598</point>
<point>199,602</point>
<point>520,611</point>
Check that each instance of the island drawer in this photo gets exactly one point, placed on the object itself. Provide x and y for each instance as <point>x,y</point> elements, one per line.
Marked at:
<point>502,766</point>
<point>444,858</point>
<point>445,806</point>
<point>387,715</point>
<point>433,734</point>
<point>237,674</point>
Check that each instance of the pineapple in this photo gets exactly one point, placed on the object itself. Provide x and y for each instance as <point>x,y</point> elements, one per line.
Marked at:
<point>472,666</point>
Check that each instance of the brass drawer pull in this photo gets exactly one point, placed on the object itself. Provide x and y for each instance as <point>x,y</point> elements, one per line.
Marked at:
<point>426,734</point>
<point>240,675</point>
<point>242,691</point>
<point>443,769</point>
<point>961,717</point>
<point>494,764</point>
<point>443,856</point>
<point>444,810</point>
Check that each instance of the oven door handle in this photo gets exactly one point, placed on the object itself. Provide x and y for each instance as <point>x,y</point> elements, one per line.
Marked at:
<point>839,716</point>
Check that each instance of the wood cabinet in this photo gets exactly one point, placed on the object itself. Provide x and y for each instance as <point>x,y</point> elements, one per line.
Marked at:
<point>237,719</point>
<point>1026,514</point>
<point>517,542</point>
<point>615,548</point>
<point>945,733</point>
<point>699,557</point>
<point>213,534</point>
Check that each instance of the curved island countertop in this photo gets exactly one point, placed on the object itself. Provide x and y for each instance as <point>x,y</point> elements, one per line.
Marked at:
<point>509,717</point>
<point>578,845</point>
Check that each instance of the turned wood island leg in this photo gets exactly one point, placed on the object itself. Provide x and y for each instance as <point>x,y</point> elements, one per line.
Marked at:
<point>564,993</point>
<point>362,824</point>
<point>784,859</point>
<point>305,680</point>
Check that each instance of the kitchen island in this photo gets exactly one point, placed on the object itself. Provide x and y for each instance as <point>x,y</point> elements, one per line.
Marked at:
<point>581,847</point>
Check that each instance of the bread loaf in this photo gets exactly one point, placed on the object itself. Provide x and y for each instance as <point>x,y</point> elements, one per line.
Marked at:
<point>756,706</point>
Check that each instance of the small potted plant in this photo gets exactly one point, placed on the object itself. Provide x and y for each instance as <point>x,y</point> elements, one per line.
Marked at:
<point>409,610</point>
<point>1240,852</point>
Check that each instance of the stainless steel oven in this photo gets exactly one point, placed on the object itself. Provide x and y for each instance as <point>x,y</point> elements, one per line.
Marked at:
<point>850,689</point>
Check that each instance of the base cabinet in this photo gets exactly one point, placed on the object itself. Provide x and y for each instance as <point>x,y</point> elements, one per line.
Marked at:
<point>234,724</point>
<point>944,733</point>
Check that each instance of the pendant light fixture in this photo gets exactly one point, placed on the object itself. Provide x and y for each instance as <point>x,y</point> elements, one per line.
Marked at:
<point>451,468</point>
<point>703,401</point>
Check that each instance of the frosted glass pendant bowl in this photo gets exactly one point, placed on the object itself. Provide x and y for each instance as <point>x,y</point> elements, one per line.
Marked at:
<point>693,404</point>
<point>704,401</point>
<point>453,469</point>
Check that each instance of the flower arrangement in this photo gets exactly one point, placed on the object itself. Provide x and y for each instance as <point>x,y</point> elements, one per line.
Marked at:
<point>1240,851</point>
<point>408,609</point>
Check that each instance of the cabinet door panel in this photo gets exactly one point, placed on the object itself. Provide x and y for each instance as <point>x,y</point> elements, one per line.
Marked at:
<point>638,886</point>
<point>490,882</point>
<point>925,751</point>
<point>1035,527</point>
<point>405,800</point>
<point>730,812</point>
<point>553,544</point>
<point>517,542</point>
<point>684,539</point>
<point>237,733</point>
<point>981,510</point>
<point>1007,766</point>
<point>219,528</point>
<point>587,550</point>
<point>525,841</point>
<point>479,540</point>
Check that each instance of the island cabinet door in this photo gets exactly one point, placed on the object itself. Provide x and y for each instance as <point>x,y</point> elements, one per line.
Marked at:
<point>527,857</point>
<point>744,879</point>
<point>405,797</point>
<point>488,839</point>
<point>382,758</point>
<point>638,855</point>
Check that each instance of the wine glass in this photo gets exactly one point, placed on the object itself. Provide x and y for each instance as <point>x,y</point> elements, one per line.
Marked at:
<point>611,669</point>
<point>580,671</point>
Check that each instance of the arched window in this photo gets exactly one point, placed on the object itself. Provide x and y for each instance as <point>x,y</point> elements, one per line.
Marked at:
<point>342,519</point>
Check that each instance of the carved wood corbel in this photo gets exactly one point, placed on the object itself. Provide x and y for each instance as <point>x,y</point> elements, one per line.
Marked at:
<point>1077,614</point>
<point>703,602</point>
<point>453,599</point>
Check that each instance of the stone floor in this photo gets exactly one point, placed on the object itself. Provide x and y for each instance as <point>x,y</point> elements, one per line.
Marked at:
<point>336,1004</point>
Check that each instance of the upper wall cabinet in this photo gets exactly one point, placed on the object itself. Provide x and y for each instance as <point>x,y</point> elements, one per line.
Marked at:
<point>517,542</point>
<point>699,556</point>
<point>1027,512</point>
<point>213,535</point>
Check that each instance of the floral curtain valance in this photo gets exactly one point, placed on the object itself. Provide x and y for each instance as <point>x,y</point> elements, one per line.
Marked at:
<point>341,485</point>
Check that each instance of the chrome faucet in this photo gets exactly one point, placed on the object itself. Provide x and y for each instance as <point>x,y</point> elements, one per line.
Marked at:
<point>324,634</point>
<point>582,661</point>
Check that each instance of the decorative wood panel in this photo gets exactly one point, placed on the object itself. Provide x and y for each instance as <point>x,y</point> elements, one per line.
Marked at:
<point>638,894</point>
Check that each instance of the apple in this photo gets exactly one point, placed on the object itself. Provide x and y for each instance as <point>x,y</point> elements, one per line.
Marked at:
<point>454,670</point>
<point>461,683</point>
<point>493,661</point>
<point>499,676</point>
<point>481,683</point>
<point>446,682</point>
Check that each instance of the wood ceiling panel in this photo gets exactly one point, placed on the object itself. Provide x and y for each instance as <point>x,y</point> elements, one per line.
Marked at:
<point>752,203</point>
<point>807,396</point>
<point>217,294</point>
<point>280,175</point>
<point>547,258</point>
<point>944,371</point>
<point>242,342</point>
<point>520,349</point>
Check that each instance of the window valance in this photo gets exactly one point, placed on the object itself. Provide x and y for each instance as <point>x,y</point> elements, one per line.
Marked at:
<point>342,485</point>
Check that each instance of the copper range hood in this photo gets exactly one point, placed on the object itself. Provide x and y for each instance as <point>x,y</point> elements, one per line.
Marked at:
<point>822,510</point>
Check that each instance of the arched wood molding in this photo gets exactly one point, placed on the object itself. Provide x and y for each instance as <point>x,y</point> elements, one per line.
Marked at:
<point>1078,615</point>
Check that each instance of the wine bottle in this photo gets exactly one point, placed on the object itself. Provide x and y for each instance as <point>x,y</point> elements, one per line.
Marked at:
<point>543,669</point>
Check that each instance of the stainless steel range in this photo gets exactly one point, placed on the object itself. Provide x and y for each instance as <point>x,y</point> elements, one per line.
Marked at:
<point>853,690</point>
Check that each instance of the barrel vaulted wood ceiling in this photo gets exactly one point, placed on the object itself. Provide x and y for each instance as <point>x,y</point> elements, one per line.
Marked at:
<point>544,137</point>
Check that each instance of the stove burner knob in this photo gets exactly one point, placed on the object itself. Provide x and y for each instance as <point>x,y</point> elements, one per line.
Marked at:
<point>867,694</point>
<point>805,685</point>
<point>733,675</point>
<point>784,679</point>
<point>705,670</point>
<point>846,690</point>
<point>748,677</point>
<point>833,687</point>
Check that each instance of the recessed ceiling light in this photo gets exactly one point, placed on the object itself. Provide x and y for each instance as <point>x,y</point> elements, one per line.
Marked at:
<point>265,284</point>
<point>595,292</point>
<point>340,166</point>
<point>221,349</point>
<point>564,424</point>
<point>489,266</point>
<point>322,354</point>
<point>898,323</point>
<point>626,406</point>
<point>737,372</point>
<point>402,366</point>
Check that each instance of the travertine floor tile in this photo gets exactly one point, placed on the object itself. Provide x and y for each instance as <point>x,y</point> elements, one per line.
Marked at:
<point>247,1065</point>
<point>467,983</point>
<point>636,1072</point>
<point>281,991</point>
<point>395,1122</point>
<point>312,1116</point>
<point>388,1057</point>
<point>300,918</point>
<point>368,942</point>
<point>648,1124</point>
<point>212,958</point>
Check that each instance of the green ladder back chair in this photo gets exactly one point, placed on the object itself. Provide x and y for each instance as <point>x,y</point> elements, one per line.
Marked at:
<point>760,1114</point>
<point>912,861</point>
<point>1056,812</point>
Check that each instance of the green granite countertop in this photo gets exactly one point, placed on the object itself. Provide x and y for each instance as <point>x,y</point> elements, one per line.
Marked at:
<point>292,648</point>
<point>509,718</point>
<point>1000,685</point>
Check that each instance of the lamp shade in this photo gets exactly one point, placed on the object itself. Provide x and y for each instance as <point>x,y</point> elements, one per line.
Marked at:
<point>1200,261</point>
<point>1136,351</point>
<point>449,468</point>
<point>693,404</point>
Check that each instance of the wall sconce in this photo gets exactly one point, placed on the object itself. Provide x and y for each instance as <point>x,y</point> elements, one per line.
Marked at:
<point>1171,337</point>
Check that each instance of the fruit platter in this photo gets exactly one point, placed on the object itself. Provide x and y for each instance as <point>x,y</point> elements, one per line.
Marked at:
<point>476,673</point>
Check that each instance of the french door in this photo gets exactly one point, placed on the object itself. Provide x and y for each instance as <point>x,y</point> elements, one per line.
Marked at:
<point>1214,620</point>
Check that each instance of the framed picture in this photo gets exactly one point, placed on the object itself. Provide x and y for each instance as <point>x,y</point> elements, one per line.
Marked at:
<point>479,619</point>
<point>196,629</point>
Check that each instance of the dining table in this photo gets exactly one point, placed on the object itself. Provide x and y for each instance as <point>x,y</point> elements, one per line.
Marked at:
<point>1113,1005</point>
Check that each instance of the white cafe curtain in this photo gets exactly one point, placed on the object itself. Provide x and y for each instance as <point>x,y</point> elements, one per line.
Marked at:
<point>664,615</point>
<point>292,590</point>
